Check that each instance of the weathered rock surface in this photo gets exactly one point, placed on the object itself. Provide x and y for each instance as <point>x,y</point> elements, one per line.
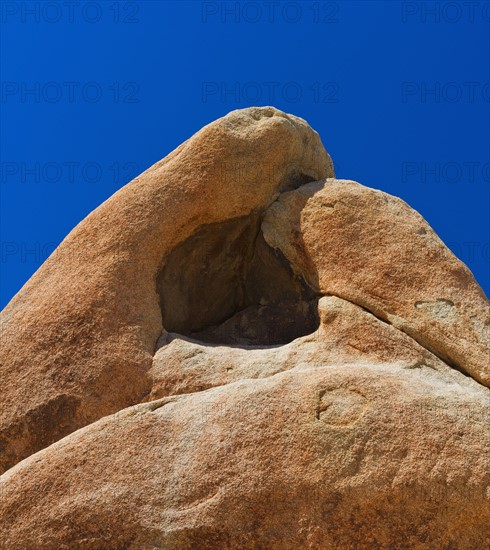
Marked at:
<point>308,364</point>
<point>352,456</point>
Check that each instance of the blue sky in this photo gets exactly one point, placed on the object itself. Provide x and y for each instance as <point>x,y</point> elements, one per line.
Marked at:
<point>95,92</point>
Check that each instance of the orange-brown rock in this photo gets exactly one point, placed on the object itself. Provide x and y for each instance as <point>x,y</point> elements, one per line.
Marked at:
<point>262,356</point>
<point>372,249</point>
<point>78,339</point>
<point>357,456</point>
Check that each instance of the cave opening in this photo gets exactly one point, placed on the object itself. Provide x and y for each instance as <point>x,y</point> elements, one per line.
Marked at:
<point>226,285</point>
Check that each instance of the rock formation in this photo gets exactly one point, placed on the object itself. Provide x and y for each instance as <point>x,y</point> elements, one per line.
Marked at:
<point>239,351</point>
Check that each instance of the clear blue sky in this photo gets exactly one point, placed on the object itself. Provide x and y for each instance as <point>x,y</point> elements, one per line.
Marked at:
<point>95,92</point>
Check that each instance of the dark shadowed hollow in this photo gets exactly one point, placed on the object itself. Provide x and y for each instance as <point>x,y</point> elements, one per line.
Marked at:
<point>225,284</point>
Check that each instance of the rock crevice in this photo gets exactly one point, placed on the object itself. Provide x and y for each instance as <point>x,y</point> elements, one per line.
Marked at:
<point>225,284</point>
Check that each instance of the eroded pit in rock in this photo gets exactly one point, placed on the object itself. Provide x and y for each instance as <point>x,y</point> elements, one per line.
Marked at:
<point>225,284</point>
